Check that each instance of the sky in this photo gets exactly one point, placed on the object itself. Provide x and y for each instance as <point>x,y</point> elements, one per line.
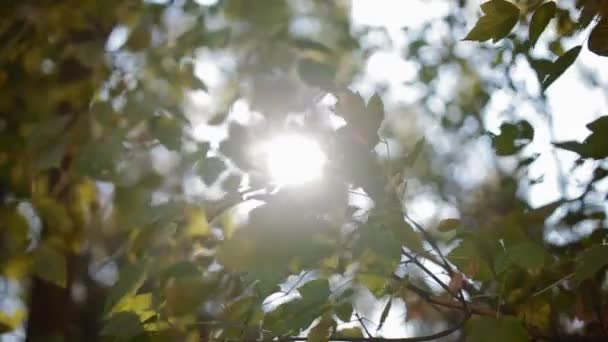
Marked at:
<point>571,102</point>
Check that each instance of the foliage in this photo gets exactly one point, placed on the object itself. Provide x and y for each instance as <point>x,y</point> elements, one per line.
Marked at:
<point>100,145</point>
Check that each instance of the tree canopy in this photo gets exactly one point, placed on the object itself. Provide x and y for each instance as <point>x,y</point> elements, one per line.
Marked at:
<point>137,202</point>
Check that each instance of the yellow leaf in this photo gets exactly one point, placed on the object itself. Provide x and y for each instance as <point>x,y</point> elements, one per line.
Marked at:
<point>375,283</point>
<point>331,262</point>
<point>17,267</point>
<point>535,313</point>
<point>322,331</point>
<point>9,323</point>
<point>351,332</point>
<point>138,304</point>
<point>197,224</point>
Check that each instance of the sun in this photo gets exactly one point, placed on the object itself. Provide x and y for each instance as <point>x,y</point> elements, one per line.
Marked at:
<point>294,159</point>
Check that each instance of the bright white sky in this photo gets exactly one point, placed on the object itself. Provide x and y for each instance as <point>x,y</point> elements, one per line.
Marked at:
<point>571,103</point>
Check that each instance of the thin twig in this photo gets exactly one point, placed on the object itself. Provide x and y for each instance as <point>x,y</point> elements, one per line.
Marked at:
<point>363,325</point>
<point>431,242</point>
<point>553,284</point>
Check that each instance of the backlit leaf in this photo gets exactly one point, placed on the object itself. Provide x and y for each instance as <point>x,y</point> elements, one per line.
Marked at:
<point>513,137</point>
<point>411,158</point>
<point>448,224</point>
<point>130,279</point>
<point>344,311</point>
<point>500,16</point>
<point>316,74</point>
<point>315,291</point>
<point>140,304</point>
<point>599,125</point>
<point>322,331</point>
<point>470,261</point>
<point>560,65</point>
<point>237,310</point>
<point>11,322</point>
<point>590,262</point>
<point>373,282</point>
<point>598,39</point>
<point>528,255</point>
<point>168,131</point>
<point>540,19</point>
<point>350,332</point>
<point>307,44</point>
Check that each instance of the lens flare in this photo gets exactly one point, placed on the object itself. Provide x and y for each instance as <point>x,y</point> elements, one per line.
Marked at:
<point>294,159</point>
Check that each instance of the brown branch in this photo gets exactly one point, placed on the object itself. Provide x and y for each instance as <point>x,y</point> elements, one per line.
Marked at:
<point>449,303</point>
<point>427,236</point>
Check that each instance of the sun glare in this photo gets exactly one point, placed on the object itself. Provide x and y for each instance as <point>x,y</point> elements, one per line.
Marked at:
<point>294,159</point>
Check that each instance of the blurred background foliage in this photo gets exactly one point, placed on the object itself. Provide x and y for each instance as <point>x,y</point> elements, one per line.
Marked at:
<point>458,201</point>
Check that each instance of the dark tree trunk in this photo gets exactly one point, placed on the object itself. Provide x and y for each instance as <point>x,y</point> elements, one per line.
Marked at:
<point>48,311</point>
<point>53,312</point>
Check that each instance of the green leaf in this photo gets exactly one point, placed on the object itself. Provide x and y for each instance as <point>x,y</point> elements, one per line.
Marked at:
<point>168,131</point>
<point>499,18</point>
<point>560,65</point>
<point>375,108</point>
<point>350,333</point>
<point>316,74</point>
<point>238,310</point>
<point>9,323</point>
<point>123,326</point>
<point>540,19</point>
<point>97,159</point>
<point>322,331</point>
<point>315,291</point>
<point>130,279</point>
<point>590,262</point>
<point>528,255</point>
<point>266,281</point>
<point>139,304</point>
<point>504,329</point>
<point>345,295</point>
<point>50,157</point>
<point>180,269</point>
<point>535,312</point>
<point>411,158</point>
<point>598,39</point>
<point>210,169</point>
<point>595,146</point>
<point>501,262</point>
<point>293,316</point>
<point>599,125</point>
<point>50,265</point>
<point>184,295</point>
<point>448,224</point>
<point>469,259</point>
<point>139,38</point>
<point>513,137</point>
<point>573,146</point>
<point>373,282</point>
<point>344,311</point>
<point>363,119</point>
<point>307,44</point>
